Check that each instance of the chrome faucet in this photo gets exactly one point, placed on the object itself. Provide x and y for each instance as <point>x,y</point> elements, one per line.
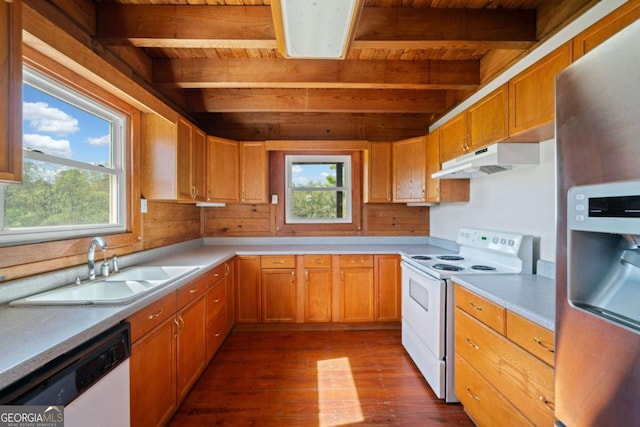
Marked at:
<point>90,254</point>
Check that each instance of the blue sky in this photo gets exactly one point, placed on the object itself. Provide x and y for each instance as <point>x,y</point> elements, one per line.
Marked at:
<point>303,174</point>
<point>57,128</point>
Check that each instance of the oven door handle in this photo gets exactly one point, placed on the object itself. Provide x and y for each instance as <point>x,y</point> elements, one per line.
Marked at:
<point>419,294</point>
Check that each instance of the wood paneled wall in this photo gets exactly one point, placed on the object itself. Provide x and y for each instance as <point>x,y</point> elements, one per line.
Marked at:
<point>259,221</point>
<point>169,223</point>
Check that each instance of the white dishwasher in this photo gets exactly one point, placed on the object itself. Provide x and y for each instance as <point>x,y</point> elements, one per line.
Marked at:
<point>91,382</point>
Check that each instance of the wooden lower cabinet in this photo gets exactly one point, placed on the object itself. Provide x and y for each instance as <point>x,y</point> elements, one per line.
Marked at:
<point>170,347</point>
<point>278,295</point>
<point>498,381</point>
<point>218,313</point>
<point>247,301</point>
<point>153,377</point>
<point>387,288</point>
<point>190,346</point>
<point>318,288</point>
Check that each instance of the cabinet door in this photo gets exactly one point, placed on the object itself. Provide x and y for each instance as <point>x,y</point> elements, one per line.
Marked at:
<point>532,97</point>
<point>409,170</point>
<point>158,169</point>
<point>317,295</point>
<point>223,170</point>
<point>11,91</point>
<point>488,119</point>
<point>378,173</point>
<point>191,346</point>
<point>199,165</point>
<point>184,156</point>
<point>357,295</point>
<point>454,138</point>
<point>254,172</point>
<point>278,295</point>
<point>387,288</point>
<point>442,190</point>
<point>248,289</point>
<point>153,377</point>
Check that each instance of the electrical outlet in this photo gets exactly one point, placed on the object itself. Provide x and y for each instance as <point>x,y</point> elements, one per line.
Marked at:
<point>143,205</point>
<point>274,199</point>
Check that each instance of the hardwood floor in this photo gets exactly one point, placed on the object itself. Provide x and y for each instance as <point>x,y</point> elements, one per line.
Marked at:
<point>314,378</point>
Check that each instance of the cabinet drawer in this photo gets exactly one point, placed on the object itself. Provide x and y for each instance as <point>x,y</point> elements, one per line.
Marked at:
<point>356,261</point>
<point>276,261</point>
<point>532,337</point>
<point>152,315</point>
<point>317,261</point>
<point>216,333</point>
<point>218,273</point>
<point>192,290</point>
<point>482,309</point>
<point>522,378</point>
<point>484,404</point>
<point>216,301</point>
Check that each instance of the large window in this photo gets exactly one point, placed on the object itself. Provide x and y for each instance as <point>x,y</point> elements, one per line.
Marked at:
<point>318,189</point>
<point>74,180</point>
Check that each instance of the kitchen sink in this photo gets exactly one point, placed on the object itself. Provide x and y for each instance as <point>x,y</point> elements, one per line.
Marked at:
<point>120,288</point>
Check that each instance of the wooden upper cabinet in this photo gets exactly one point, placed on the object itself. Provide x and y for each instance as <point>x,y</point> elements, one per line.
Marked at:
<point>223,171</point>
<point>454,137</point>
<point>409,170</point>
<point>254,172</point>
<point>10,92</point>
<point>488,119</point>
<point>378,180</point>
<point>172,160</point>
<point>605,28</point>
<point>532,97</point>
<point>442,190</point>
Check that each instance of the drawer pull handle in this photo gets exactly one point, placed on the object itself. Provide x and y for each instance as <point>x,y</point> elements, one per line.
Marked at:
<point>547,403</point>
<point>543,345</point>
<point>471,343</point>
<point>216,300</point>
<point>193,291</point>
<point>357,261</point>
<point>473,396</point>
<point>318,261</point>
<point>277,262</point>
<point>217,334</point>
<point>216,274</point>
<point>155,315</point>
<point>306,277</point>
<point>477,307</point>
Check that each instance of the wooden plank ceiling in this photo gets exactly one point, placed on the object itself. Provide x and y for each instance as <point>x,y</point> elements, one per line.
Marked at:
<point>410,62</point>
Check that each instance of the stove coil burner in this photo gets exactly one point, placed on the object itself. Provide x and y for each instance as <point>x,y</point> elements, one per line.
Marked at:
<point>447,267</point>
<point>483,267</point>
<point>421,257</point>
<point>451,257</point>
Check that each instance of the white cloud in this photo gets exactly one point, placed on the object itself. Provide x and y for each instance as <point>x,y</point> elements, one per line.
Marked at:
<point>43,118</point>
<point>46,144</point>
<point>296,169</point>
<point>101,140</point>
<point>300,181</point>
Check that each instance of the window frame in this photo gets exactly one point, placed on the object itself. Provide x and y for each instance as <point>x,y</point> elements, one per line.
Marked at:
<point>278,184</point>
<point>346,188</point>
<point>45,83</point>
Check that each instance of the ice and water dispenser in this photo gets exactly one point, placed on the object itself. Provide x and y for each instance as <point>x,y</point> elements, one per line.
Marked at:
<point>604,251</point>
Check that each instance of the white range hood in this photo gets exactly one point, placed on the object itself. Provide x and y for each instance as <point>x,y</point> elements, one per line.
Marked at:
<point>493,158</point>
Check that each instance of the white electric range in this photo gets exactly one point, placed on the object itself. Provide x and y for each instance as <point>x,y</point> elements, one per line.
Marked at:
<point>427,296</point>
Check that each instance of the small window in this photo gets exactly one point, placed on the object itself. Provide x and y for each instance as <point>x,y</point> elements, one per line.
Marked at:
<point>74,180</point>
<point>318,189</point>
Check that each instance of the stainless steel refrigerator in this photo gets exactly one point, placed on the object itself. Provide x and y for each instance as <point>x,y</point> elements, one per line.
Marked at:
<point>597,380</point>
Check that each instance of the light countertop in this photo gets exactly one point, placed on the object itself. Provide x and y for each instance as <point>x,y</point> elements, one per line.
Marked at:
<point>529,295</point>
<point>31,336</point>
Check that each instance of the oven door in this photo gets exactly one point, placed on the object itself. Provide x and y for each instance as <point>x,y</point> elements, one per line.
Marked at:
<point>423,324</point>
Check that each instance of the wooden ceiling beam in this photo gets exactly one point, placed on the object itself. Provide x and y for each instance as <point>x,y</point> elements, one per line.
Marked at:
<point>251,27</point>
<point>317,100</point>
<point>298,73</point>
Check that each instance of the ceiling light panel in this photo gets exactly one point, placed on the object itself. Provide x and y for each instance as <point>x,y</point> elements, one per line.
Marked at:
<point>317,28</point>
